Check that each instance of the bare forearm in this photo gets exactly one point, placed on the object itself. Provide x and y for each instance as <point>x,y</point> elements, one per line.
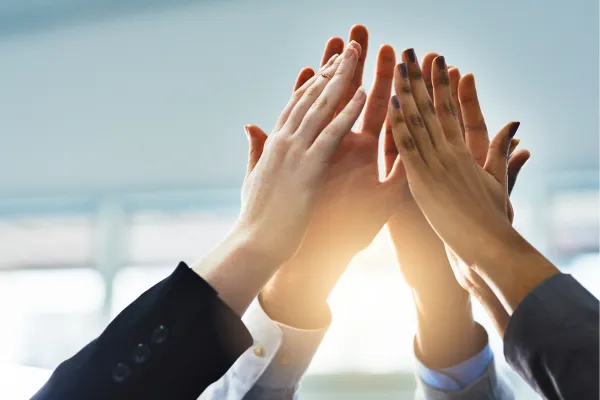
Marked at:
<point>297,294</point>
<point>512,267</point>
<point>446,332</point>
<point>236,270</point>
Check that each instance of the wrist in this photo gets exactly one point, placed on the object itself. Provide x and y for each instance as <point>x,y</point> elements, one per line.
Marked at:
<point>297,294</point>
<point>446,332</point>
<point>237,269</point>
<point>512,267</point>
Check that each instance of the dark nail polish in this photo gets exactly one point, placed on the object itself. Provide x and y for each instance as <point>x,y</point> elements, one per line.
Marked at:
<point>513,129</point>
<point>441,63</point>
<point>403,70</point>
<point>395,102</point>
<point>412,57</point>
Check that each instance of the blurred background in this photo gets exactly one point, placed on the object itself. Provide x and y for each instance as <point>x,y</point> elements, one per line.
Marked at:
<point>122,152</point>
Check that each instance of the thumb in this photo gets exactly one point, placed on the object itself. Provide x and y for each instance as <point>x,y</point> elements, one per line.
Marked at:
<point>257,138</point>
<point>496,160</point>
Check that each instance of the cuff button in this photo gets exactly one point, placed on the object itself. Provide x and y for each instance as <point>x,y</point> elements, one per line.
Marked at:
<point>259,350</point>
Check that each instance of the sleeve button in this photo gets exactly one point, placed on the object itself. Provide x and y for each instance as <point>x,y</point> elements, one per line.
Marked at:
<point>121,373</point>
<point>141,353</point>
<point>259,350</point>
<point>159,335</point>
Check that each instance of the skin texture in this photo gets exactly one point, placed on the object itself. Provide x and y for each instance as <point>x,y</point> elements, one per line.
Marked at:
<point>457,195</point>
<point>297,294</point>
<point>351,210</point>
<point>281,190</point>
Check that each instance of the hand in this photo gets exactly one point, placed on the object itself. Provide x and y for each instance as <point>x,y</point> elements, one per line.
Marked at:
<point>455,193</point>
<point>420,252</point>
<point>279,194</point>
<point>354,204</point>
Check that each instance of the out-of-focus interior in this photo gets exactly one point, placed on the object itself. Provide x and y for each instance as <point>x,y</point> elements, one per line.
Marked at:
<point>123,152</point>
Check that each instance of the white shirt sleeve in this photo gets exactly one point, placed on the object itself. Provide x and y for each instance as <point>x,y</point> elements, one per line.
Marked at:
<point>273,367</point>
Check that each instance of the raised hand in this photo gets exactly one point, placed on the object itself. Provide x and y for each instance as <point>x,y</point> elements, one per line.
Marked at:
<point>354,204</point>
<point>281,189</point>
<point>278,194</point>
<point>419,250</point>
<point>466,204</point>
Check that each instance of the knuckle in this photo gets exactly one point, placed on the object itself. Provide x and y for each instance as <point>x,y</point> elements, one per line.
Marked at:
<point>416,121</point>
<point>428,106</point>
<point>379,101</point>
<point>408,143</point>
<point>449,107</point>
<point>320,103</point>
<point>480,126</point>
<point>406,88</point>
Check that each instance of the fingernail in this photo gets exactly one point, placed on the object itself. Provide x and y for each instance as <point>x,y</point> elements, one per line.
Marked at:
<point>247,132</point>
<point>403,70</point>
<point>395,102</point>
<point>412,57</point>
<point>513,129</point>
<point>441,63</point>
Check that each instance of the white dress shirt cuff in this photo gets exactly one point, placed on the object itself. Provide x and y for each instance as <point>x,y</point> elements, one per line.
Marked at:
<point>281,354</point>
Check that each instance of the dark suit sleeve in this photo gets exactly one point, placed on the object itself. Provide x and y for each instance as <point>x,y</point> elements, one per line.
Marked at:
<point>171,343</point>
<point>552,340</point>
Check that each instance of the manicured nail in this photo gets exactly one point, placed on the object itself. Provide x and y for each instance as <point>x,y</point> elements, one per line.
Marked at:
<point>412,57</point>
<point>403,70</point>
<point>513,129</point>
<point>441,63</point>
<point>395,102</point>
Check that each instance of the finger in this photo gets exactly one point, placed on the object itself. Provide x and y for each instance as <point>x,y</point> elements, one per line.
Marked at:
<point>516,162</point>
<point>497,156</point>
<point>426,69</point>
<point>297,95</point>
<point>390,151</point>
<point>360,35</point>
<point>304,98</point>
<point>318,112</point>
<point>476,133</point>
<point>304,75</point>
<point>410,155</point>
<point>446,111</point>
<point>334,46</point>
<point>330,138</point>
<point>257,138</point>
<point>454,76</point>
<point>410,112</point>
<point>423,102</point>
<point>378,99</point>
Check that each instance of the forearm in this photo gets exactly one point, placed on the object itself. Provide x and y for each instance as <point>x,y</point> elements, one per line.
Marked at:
<point>511,266</point>
<point>297,294</point>
<point>236,270</point>
<point>446,332</point>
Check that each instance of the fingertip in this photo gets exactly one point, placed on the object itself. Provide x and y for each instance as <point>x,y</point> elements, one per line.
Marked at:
<point>354,45</point>
<point>467,80</point>
<point>360,33</point>
<point>386,51</point>
<point>335,42</point>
